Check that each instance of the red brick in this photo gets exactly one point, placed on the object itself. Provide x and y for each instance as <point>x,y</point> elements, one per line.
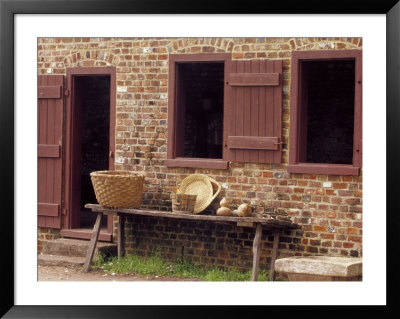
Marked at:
<point>331,214</point>
<point>330,192</point>
<point>352,231</point>
<point>335,223</point>
<point>268,174</point>
<point>327,236</point>
<point>302,183</point>
<point>338,244</point>
<point>314,242</point>
<point>357,224</point>
<point>353,201</point>
<point>336,200</point>
<point>339,185</point>
<point>355,239</point>
<point>320,228</point>
<point>237,55</point>
<point>295,198</point>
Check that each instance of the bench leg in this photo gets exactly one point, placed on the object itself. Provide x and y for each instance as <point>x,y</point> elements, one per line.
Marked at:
<point>93,242</point>
<point>256,252</point>
<point>274,254</point>
<point>121,235</point>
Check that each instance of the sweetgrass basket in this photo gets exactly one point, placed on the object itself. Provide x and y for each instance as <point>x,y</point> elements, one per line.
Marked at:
<point>183,203</point>
<point>118,188</point>
<point>205,187</point>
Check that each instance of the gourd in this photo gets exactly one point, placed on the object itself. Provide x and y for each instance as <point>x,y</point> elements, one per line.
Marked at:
<point>224,211</point>
<point>224,202</point>
<point>244,210</point>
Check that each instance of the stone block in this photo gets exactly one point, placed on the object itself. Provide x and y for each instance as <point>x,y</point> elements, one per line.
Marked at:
<point>320,268</point>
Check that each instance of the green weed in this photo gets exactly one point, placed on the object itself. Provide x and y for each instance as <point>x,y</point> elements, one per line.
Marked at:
<point>156,265</point>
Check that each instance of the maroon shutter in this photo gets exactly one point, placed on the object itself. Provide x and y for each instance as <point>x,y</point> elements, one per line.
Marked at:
<point>255,111</point>
<point>50,128</point>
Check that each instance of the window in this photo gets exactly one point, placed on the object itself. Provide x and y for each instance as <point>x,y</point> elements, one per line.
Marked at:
<point>221,110</point>
<point>200,100</point>
<point>325,113</point>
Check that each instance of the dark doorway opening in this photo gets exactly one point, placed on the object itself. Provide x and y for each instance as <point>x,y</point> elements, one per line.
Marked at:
<point>89,146</point>
<point>92,97</point>
<point>95,119</point>
<point>327,89</point>
<point>200,98</point>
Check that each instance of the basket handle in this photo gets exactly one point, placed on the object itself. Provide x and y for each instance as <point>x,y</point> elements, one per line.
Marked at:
<point>213,181</point>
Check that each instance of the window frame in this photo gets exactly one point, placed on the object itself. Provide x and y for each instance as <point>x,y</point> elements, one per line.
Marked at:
<point>297,122</point>
<point>172,160</point>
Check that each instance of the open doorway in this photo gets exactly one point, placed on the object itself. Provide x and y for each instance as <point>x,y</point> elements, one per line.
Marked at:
<point>90,130</point>
<point>94,92</point>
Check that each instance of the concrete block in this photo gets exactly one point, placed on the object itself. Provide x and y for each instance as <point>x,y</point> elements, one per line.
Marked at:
<point>76,247</point>
<point>60,261</point>
<point>320,268</point>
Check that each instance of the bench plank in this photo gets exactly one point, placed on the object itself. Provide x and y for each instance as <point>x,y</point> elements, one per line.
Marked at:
<point>268,223</point>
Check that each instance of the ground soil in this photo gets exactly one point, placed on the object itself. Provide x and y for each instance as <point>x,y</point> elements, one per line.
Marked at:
<point>55,273</point>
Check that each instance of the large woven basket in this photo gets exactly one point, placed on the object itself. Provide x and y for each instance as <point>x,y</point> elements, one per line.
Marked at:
<point>118,188</point>
<point>206,189</point>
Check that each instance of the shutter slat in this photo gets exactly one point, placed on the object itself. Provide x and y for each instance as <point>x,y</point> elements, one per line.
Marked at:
<point>49,92</point>
<point>253,143</point>
<point>262,112</point>
<point>46,209</point>
<point>49,150</point>
<point>239,119</point>
<point>278,67</point>
<point>270,110</point>
<point>254,112</point>
<point>247,111</point>
<point>254,79</point>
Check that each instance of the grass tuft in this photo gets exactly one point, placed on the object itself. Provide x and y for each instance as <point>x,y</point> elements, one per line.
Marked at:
<point>155,265</point>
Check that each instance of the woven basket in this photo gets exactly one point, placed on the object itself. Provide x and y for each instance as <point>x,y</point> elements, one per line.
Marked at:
<point>118,188</point>
<point>202,186</point>
<point>183,203</point>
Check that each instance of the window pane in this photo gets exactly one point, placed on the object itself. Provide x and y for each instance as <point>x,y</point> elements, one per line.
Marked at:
<point>200,97</point>
<point>328,90</point>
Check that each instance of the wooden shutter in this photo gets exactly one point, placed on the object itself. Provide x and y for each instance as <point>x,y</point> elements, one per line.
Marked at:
<point>50,128</point>
<point>255,111</point>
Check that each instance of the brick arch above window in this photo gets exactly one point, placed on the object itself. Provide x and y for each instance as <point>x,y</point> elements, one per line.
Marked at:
<point>200,45</point>
<point>91,58</point>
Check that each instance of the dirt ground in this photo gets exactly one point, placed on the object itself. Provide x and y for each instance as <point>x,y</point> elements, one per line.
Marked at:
<point>53,273</point>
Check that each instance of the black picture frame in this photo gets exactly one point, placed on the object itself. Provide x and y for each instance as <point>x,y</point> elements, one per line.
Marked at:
<point>8,10</point>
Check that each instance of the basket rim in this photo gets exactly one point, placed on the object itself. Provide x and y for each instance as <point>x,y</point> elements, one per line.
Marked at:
<point>208,189</point>
<point>116,173</point>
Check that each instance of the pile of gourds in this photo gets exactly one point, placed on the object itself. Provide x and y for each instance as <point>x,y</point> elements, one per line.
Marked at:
<point>244,210</point>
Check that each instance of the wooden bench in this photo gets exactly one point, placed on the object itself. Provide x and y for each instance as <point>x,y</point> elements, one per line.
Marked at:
<point>276,226</point>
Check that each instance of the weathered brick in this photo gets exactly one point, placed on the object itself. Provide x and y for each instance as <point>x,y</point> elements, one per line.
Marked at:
<point>320,228</point>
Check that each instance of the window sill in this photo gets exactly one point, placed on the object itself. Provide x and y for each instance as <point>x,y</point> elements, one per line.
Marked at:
<point>329,169</point>
<point>197,163</point>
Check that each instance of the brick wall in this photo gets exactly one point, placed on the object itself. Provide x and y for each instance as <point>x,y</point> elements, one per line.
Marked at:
<point>328,207</point>
<point>203,242</point>
<point>46,234</point>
